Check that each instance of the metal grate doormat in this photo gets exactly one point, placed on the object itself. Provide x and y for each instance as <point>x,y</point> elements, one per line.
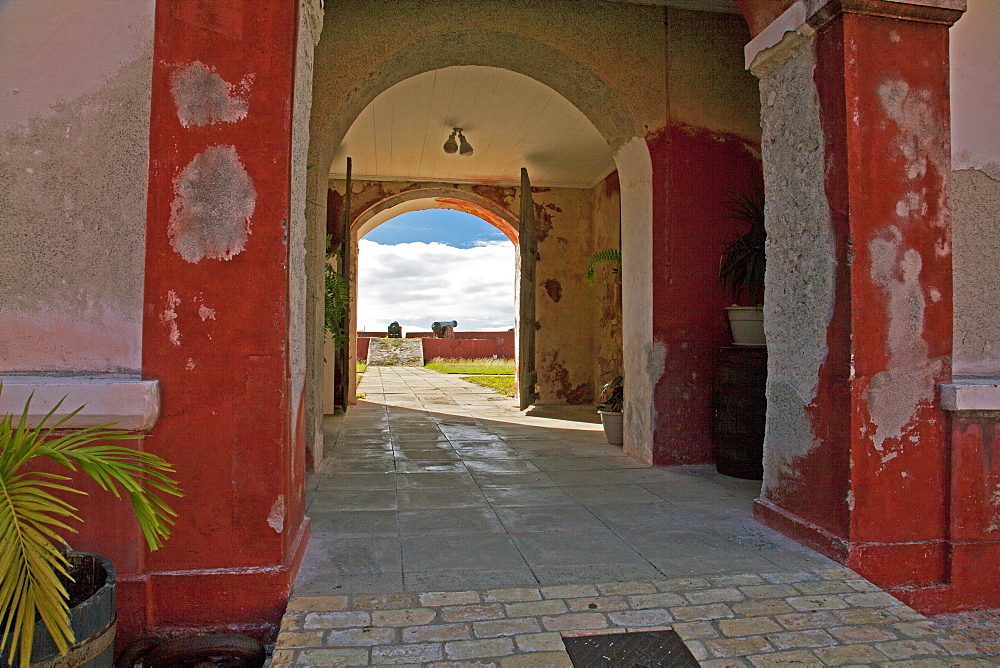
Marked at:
<point>646,649</point>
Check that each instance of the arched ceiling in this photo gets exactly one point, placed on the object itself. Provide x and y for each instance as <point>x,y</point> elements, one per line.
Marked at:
<point>511,121</point>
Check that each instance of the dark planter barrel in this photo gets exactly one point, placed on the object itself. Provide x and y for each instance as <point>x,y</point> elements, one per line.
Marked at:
<point>739,408</point>
<point>93,619</point>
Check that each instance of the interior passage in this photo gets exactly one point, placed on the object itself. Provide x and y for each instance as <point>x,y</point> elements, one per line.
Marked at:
<point>433,483</point>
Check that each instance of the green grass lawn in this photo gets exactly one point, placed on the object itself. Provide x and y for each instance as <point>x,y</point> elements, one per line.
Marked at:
<point>501,384</point>
<point>362,365</point>
<point>486,366</point>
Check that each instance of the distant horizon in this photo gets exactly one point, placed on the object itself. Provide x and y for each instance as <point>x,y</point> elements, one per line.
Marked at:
<point>414,328</point>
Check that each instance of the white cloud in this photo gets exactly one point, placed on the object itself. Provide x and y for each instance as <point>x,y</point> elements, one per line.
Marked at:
<point>418,283</point>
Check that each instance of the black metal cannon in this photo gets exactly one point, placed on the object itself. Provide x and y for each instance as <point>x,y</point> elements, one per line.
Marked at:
<point>395,331</point>
<point>440,328</point>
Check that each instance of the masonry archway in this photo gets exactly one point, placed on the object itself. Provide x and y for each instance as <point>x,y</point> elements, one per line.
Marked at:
<point>419,199</point>
<point>351,72</point>
<point>437,197</point>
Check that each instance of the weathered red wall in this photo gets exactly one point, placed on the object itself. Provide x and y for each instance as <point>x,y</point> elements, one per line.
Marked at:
<point>694,174</point>
<point>870,495</point>
<point>363,347</point>
<point>227,424</point>
<point>502,347</point>
<point>973,576</point>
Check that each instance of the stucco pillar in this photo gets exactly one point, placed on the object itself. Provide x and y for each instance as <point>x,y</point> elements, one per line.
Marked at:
<point>220,313</point>
<point>858,305</point>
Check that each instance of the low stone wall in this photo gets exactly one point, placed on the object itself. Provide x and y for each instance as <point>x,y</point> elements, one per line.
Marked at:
<point>465,345</point>
<point>493,336</point>
<point>468,348</point>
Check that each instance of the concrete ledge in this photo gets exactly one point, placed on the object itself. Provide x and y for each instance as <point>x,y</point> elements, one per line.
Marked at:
<point>131,403</point>
<point>807,16</point>
<point>792,19</point>
<point>971,394</point>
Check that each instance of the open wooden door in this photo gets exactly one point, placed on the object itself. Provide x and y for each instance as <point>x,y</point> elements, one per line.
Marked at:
<point>526,325</point>
<point>331,366</point>
<point>343,370</point>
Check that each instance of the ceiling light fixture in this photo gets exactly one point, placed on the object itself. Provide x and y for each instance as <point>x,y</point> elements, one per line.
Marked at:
<point>462,146</point>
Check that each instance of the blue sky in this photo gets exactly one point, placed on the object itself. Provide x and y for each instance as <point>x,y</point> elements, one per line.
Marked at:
<point>452,228</point>
<point>433,265</point>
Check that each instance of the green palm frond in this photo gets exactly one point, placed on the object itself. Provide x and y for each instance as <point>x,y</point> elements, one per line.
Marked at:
<point>33,516</point>
<point>613,255</point>
<point>743,263</point>
<point>337,299</point>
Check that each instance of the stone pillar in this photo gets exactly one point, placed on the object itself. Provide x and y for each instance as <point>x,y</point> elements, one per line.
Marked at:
<point>858,305</point>
<point>219,313</point>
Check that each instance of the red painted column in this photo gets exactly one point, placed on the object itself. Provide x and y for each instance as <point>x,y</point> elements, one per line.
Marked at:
<point>216,318</point>
<point>873,490</point>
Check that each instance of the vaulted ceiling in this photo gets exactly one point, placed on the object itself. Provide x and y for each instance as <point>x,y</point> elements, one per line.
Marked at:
<point>511,121</point>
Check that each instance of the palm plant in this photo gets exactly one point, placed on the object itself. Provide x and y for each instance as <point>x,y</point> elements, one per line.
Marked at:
<point>612,255</point>
<point>336,302</point>
<point>742,265</point>
<point>33,570</point>
<point>614,394</point>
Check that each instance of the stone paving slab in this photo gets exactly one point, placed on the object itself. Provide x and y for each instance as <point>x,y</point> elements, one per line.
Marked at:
<point>752,619</point>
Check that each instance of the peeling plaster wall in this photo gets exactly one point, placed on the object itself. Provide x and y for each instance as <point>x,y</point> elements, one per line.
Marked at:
<point>304,317</point>
<point>975,189</point>
<point>564,343</point>
<point>709,152</point>
<point>607,288</point>
<point>643,357</point>
<point>799,289</point>
<point>709,87</point>
<point>74,142</point>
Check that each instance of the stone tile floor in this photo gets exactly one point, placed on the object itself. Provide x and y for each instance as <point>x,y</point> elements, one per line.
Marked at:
<point>451,529</point>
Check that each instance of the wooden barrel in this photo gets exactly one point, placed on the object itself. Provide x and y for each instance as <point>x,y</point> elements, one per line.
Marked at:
<point>739,408</point>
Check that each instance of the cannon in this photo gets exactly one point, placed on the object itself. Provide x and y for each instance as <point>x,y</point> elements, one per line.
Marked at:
<point>443,328</point>
<point>395,331</point>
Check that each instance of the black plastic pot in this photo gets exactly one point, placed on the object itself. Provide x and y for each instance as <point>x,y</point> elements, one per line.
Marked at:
<point>92,618</point>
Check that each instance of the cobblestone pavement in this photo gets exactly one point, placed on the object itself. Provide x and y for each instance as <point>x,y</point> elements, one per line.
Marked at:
<point>451,529</point>
<point>822,617</point>
<point>980,627</point>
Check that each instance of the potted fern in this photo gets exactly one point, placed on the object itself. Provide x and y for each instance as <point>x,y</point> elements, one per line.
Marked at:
<point>613,392</point>
<point>37,618</point>
<point>742,267</point>
<point>611,411</point>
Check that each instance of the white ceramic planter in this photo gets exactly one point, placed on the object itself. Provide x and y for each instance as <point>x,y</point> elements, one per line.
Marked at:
<point>612,422</point>
<point>747,325</point>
